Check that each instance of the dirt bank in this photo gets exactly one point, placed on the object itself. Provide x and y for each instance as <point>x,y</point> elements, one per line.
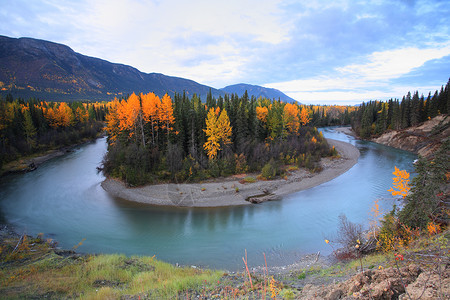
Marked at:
<point>423,139</point>
<point>230,191</point>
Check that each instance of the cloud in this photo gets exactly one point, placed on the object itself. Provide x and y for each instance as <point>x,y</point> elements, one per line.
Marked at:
<point>393,63</point>
<point>346,46</point>
<point>367,81</point>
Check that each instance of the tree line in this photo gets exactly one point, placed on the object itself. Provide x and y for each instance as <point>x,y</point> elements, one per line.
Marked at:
<point>152,138</point>
<point>375,117</point>
<point>30,126</point>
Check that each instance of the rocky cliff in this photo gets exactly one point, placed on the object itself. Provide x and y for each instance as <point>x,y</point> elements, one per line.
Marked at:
<point>423,139</point>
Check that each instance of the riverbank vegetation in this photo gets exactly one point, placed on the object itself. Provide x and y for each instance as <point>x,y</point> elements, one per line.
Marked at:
<point>412,233</point>
<point>33,126</point>
<point>153,139</point>
<point>376,117</point>
<point>33,268</point>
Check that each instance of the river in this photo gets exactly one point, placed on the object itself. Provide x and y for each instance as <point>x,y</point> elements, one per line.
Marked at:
<point>64,200</point>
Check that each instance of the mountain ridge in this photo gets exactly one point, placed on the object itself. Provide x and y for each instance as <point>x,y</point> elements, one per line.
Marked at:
<point>43,69</point>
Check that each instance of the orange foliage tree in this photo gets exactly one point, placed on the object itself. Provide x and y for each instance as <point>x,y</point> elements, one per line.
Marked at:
<point>150,109</point>
<point>304,116</point>
<point>128,113</point>
<point>61,115</point>
<point>81,115</point>
<point>112,120</point>
<point>290,118</point>
<point>400,183</point>
<point>261,113</point>
<point>166,114</point>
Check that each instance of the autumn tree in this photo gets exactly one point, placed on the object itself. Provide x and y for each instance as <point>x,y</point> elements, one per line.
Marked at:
<point>60,115</point>
<point>81,115</point>
<point>112,120</point>
<point>128,112</point>
<point>218,131</point>
<point>290,118</point>
<point>150,110</point>
<point>166,116</point>
<point>400,183</point>
<point>261,113</point>
<point>304,116</point>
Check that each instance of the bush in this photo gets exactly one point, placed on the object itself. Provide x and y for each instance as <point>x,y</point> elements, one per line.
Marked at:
<point>249,179</point>
<point>270,170</point>
<point>350,235</point>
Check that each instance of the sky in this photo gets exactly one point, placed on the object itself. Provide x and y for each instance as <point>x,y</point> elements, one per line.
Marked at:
<point>317,52</point>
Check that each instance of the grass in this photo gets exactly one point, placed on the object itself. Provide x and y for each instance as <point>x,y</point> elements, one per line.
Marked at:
<point>31,268</point>
<point>249,179</point>
<point>43,273</point>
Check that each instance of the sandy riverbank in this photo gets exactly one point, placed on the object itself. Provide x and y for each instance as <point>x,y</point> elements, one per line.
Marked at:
<point>224,192</point>
<point>347,130</point>
<point>27,164</point>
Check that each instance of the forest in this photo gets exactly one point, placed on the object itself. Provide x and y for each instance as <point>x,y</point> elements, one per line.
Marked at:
<point>34,126</point>
<point>154,139</point>
<point>375,117</point>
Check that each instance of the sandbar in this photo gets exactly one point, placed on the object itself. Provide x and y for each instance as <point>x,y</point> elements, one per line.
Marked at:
<point>230,191</point>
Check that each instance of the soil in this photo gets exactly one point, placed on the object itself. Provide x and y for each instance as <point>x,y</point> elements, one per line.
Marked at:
<point>423,139</point>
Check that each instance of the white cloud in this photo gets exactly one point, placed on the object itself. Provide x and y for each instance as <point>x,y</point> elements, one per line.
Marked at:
<point>393,63</point>
<point>366,81</point>
<point>225,42</point>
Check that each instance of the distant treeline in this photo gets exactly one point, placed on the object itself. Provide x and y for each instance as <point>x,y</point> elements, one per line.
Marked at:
<point>152,138</point>
<point>375,117</point>
<point>30,126</point>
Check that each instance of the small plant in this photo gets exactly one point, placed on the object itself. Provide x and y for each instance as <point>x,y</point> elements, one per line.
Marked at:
<point>302,275</point>
<point>249,179</point>
<point>274,290</point>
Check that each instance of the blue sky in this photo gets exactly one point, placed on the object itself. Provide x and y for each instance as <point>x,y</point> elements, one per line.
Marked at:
<point>340,51</point>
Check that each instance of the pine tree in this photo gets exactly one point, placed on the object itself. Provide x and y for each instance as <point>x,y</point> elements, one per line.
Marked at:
<point>29,129</point>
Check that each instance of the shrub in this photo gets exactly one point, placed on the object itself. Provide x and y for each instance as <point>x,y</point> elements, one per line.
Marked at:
<point>349,234</point>
<point>270,170</point>
<point>249,179</point>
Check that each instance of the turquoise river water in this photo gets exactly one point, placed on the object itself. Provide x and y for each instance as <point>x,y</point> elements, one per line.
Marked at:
<point>64,200</point>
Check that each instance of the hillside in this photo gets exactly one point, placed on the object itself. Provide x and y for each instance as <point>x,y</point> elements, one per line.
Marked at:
<point>423,139</point>
<point>257,91</point>
<point>38,68</point>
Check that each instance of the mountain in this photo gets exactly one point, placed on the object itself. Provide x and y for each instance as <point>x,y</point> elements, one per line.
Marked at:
<point>51,71</point>
<point>42,69</point>
<point>257,91</point>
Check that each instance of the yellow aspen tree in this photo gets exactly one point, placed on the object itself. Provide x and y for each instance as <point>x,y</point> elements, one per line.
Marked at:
<point>81,115</point>
<point>212,145</point>
<point>64,115</point>
<point>304,116</point>
<point>290,118</point>
<point>166,114</point>
<point>223,122</point>
<point>400,183</point>
<point>218,131</point>
<point>261,113</point>
<point>112,120</point>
